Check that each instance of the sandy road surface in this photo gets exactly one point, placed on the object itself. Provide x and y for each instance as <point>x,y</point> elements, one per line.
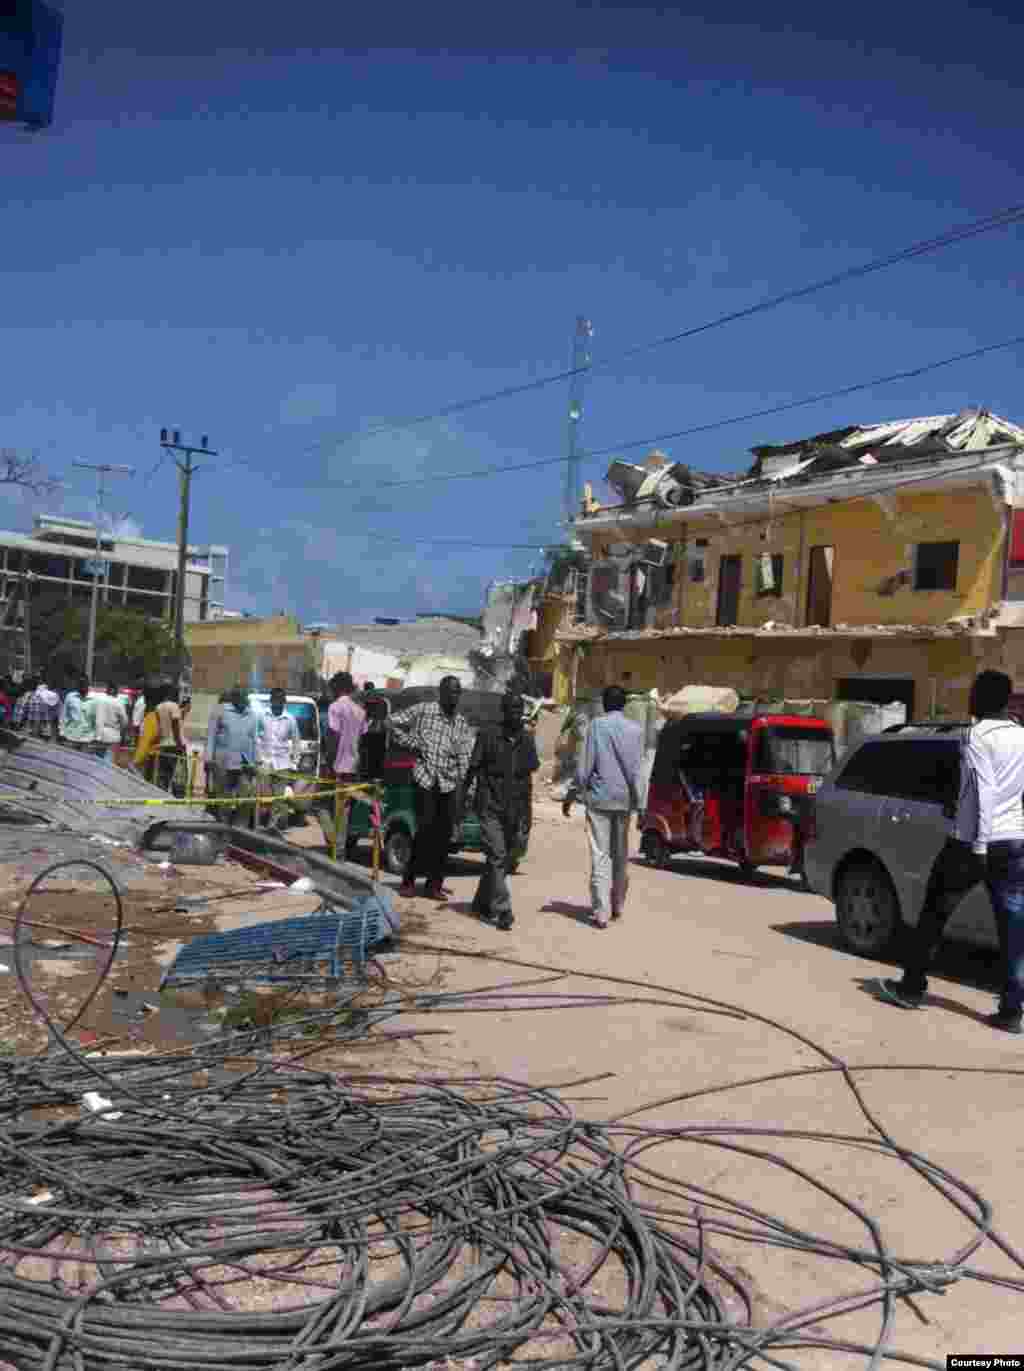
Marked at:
<point>770,949</point>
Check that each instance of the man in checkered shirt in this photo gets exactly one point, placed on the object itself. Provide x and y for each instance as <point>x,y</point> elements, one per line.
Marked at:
<point>442,743</point>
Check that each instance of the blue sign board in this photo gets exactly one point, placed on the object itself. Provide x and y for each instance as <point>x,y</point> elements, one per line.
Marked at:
<point>31,34</point>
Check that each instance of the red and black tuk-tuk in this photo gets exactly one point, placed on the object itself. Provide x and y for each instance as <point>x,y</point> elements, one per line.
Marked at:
<point>734,786</point>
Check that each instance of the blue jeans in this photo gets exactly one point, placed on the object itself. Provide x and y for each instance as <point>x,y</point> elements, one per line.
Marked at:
<point>956,872</point>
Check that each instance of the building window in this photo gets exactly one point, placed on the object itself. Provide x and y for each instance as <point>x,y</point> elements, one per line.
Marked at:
<point>730,576</point>
<point>147,578</point>
<point>769,573</point>
<point>697,560</point>
<point>935,566</point>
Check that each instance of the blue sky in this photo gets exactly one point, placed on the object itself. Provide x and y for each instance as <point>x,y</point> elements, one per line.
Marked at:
<point>266,223</point>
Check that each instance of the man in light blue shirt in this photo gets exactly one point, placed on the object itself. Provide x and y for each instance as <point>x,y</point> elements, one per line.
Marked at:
<point>608,780</point>
<point>78,717</point>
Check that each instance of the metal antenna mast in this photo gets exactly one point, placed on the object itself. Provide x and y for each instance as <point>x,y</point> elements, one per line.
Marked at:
<point>581,360</point>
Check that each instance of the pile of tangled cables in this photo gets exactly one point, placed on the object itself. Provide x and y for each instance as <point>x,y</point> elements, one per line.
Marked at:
<point>294,1219</point>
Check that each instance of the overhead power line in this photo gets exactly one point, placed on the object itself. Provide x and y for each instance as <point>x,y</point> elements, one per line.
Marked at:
<point>1002,219</point>
<point>592,453</point>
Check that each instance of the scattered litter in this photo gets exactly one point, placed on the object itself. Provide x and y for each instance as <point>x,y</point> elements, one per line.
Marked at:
<point>44,1197</point>
<point>4,966</point>
<point>303,886</point>
<point>186,904</point>
<point>93,1100</point>
<point>107,842</point>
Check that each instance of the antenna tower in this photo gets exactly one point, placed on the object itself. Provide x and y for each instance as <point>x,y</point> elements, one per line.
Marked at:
<point>581,362</point>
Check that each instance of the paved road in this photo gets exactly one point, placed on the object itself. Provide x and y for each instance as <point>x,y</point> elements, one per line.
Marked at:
<point>771,949</point>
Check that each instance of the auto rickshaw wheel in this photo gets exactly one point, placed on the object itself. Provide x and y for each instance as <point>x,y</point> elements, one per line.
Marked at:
<point>397,850</point>
<point>654,848</point>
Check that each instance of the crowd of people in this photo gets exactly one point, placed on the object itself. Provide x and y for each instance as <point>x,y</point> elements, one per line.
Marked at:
<point>491,769</point>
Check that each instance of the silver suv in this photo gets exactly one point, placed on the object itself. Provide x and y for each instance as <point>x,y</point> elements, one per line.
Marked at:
<point>874,829</point>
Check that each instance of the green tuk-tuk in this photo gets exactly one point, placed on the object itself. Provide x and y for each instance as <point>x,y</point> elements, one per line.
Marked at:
<point>392,767</point>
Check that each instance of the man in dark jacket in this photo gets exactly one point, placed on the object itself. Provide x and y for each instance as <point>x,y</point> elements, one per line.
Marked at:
<point>503,761</point>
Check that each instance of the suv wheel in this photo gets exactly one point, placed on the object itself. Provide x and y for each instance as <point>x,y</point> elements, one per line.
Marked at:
<point>867,908</point>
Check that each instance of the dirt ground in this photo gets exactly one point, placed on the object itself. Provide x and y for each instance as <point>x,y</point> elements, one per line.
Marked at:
<point>766,948</point>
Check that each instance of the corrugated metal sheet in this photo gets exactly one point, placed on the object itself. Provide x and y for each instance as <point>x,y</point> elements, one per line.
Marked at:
<point>62,787</point>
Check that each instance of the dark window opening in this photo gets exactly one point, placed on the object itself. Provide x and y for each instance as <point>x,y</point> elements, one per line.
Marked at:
<point>935,566</point>
<point>146,578</point>
<point>730,571</point>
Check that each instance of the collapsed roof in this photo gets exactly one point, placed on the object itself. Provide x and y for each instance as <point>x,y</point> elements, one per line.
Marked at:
<point>673,485</point>
<point>939,435</point>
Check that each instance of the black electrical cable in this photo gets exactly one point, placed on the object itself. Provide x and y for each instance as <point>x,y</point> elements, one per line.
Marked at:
<point>291,1219</point>
<point>1004,218</point>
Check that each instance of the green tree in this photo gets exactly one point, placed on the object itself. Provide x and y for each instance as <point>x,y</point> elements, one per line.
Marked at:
<point>130,646</point>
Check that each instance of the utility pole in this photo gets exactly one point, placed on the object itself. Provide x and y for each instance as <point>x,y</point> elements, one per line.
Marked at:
<point>581,360</point>
<point>170,439</point>
<point>102,470</point>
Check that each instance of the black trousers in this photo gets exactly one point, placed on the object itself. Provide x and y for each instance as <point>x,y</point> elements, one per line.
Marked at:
<point>435,822</point>
<point>499,836</point>
<point>956,872</point>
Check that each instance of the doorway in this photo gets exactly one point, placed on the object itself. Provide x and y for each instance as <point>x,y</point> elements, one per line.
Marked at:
<point>730,571</point>
<point>819,587</point>
<point>878,690</point>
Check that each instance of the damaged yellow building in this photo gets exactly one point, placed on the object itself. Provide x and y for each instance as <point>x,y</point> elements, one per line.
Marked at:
<point>882,563</point>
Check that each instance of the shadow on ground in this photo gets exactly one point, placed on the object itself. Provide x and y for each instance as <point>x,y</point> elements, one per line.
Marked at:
<point>869,985</point>
<point>710,869</point>
<point>963,963</point>
<point>579,913</point>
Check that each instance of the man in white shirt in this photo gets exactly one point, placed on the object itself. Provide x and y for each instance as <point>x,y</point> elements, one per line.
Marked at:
<point>277,750</point>
<point>986,844</point>
<point>111,723</point>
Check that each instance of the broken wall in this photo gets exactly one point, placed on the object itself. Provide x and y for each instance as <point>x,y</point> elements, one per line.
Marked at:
<point>940,670</point>
<point>873,561</point>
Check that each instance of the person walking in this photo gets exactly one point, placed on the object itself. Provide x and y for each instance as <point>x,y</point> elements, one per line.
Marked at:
<point>231,753</point>
<point>503,762</point>
<point>608,780</point>
<point>111,722</point>
<point>277,743</point>
<point>986,844</point>
<point>442,743</point>
<point>78,717</point>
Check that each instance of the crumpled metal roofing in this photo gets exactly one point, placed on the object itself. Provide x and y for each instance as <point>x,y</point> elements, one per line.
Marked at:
<point>61,787</point>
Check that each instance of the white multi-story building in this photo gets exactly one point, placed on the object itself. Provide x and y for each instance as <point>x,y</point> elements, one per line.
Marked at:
<point>138,573</point>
